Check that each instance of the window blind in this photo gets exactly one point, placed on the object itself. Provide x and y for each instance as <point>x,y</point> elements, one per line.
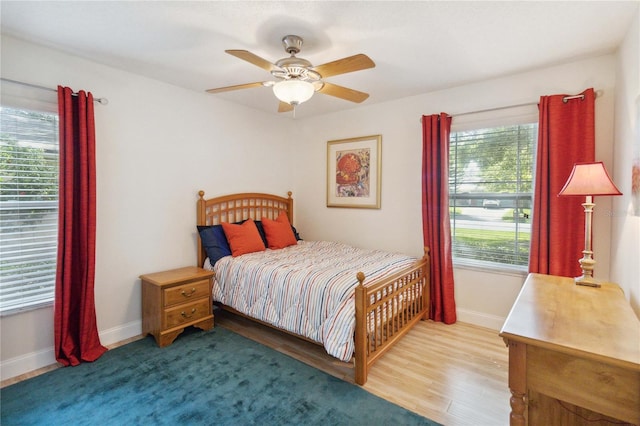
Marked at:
<point>490,193</point>
<point>28,207</point>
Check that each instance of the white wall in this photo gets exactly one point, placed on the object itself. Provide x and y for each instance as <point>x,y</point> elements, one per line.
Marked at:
<point>157,145</point>
<point>482,298</point>
<point>625,266</point>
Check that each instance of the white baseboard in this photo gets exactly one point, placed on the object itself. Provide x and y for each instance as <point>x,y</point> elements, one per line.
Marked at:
<point>481,319</point>
<point>43,358</point>
<point>25,363</point>
<point>120,333</point>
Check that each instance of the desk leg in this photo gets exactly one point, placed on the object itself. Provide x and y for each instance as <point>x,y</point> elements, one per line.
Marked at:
<point>517,383</point>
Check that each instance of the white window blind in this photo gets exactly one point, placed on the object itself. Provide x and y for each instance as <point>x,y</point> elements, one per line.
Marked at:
<point>28,207</point>
<point>490,191</point>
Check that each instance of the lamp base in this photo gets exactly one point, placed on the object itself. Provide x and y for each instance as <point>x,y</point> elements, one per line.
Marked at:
<point>587,281</point>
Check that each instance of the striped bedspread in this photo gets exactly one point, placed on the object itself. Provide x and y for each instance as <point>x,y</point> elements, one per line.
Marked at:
<point>307,289</point>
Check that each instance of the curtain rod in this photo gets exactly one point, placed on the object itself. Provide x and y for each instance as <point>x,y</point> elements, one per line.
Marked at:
<point>598,93</point>
<point>494,109</point>
<point>102,101</point>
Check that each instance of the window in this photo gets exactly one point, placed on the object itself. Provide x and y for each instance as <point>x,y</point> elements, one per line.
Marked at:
<point>28,207</point>
<point>490,194</point>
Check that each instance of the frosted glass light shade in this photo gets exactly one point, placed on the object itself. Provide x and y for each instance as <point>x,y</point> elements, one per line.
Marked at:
<point>293,92</point>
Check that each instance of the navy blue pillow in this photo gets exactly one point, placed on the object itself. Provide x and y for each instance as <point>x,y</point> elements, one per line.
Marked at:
<point>295,232</point>
<point>264,236</point>
<point>214,242</point>
<point>260,230</point>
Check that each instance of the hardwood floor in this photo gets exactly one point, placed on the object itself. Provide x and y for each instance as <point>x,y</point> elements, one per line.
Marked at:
<point>452,374</point>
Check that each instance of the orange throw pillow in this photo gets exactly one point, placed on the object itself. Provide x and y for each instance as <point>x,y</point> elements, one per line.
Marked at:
<point>278,232</point>
<point>243,238</point>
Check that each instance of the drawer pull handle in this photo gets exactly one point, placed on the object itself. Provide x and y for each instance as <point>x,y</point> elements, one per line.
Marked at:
<point>185,294</point>
<point>184,315</point>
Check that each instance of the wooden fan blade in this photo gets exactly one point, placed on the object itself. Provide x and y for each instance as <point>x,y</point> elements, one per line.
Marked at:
<point>345,65</point>
<point>236,87</point>
<point>285,107</point>
<point>343,92</point>
<point>254,59</point>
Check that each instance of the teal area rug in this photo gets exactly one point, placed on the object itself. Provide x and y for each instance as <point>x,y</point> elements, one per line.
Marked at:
<point>203,378</point>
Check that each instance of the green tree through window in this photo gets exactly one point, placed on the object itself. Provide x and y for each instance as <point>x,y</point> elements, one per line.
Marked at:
<point>490,190</point>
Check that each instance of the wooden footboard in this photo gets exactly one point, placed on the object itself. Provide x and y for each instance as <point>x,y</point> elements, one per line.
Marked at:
<point>386,310</point>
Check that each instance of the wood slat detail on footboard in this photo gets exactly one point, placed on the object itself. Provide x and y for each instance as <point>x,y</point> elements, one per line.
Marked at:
<point>386,310</point>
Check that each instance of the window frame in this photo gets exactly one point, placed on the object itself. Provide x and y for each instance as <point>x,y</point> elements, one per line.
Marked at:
<point>15,97</point>
<point>487,119</point>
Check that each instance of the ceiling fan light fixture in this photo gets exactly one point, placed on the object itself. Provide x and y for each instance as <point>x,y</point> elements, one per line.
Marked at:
<point>293,92</point>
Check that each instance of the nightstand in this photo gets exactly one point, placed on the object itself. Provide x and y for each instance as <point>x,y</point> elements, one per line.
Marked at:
<point>175,299</point>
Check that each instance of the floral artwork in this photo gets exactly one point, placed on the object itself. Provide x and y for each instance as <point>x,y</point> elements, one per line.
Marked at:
<point>353,172</point>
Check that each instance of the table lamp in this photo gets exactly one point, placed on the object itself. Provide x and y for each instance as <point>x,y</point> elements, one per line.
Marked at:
<point>588,179</point>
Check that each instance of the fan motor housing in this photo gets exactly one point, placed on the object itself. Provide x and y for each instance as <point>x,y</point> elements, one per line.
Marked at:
<point>294,67</point>
<point>292,44</point>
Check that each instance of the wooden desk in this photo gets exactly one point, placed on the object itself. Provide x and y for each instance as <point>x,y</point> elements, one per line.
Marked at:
<point>574,354</point>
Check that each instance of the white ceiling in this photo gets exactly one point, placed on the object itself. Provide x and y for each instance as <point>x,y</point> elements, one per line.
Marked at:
<point>418,46</point>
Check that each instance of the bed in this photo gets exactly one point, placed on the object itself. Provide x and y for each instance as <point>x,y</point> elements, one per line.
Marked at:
<point>370,302</point>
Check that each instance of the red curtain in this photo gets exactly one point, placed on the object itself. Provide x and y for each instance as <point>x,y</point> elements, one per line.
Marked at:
<point>566,135</point>
<point>75,327</point>
<point>436,228</point>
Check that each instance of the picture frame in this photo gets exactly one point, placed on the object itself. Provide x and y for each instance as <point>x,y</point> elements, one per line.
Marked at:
<point>354,172</point>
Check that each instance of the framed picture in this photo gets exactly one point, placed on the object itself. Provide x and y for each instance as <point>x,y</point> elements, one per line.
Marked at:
<point>353,172</point>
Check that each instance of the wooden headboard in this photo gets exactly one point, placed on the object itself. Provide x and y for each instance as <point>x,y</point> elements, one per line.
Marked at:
<point>237,207</point>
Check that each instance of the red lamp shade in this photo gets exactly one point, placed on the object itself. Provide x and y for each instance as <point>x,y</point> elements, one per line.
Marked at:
<point>589,179</point>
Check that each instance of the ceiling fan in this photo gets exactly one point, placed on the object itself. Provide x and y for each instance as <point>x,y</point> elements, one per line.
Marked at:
<point>297,79</point>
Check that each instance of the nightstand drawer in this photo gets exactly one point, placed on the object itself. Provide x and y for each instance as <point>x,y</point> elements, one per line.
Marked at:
<point>186,292</point>
<point>186,313</point>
